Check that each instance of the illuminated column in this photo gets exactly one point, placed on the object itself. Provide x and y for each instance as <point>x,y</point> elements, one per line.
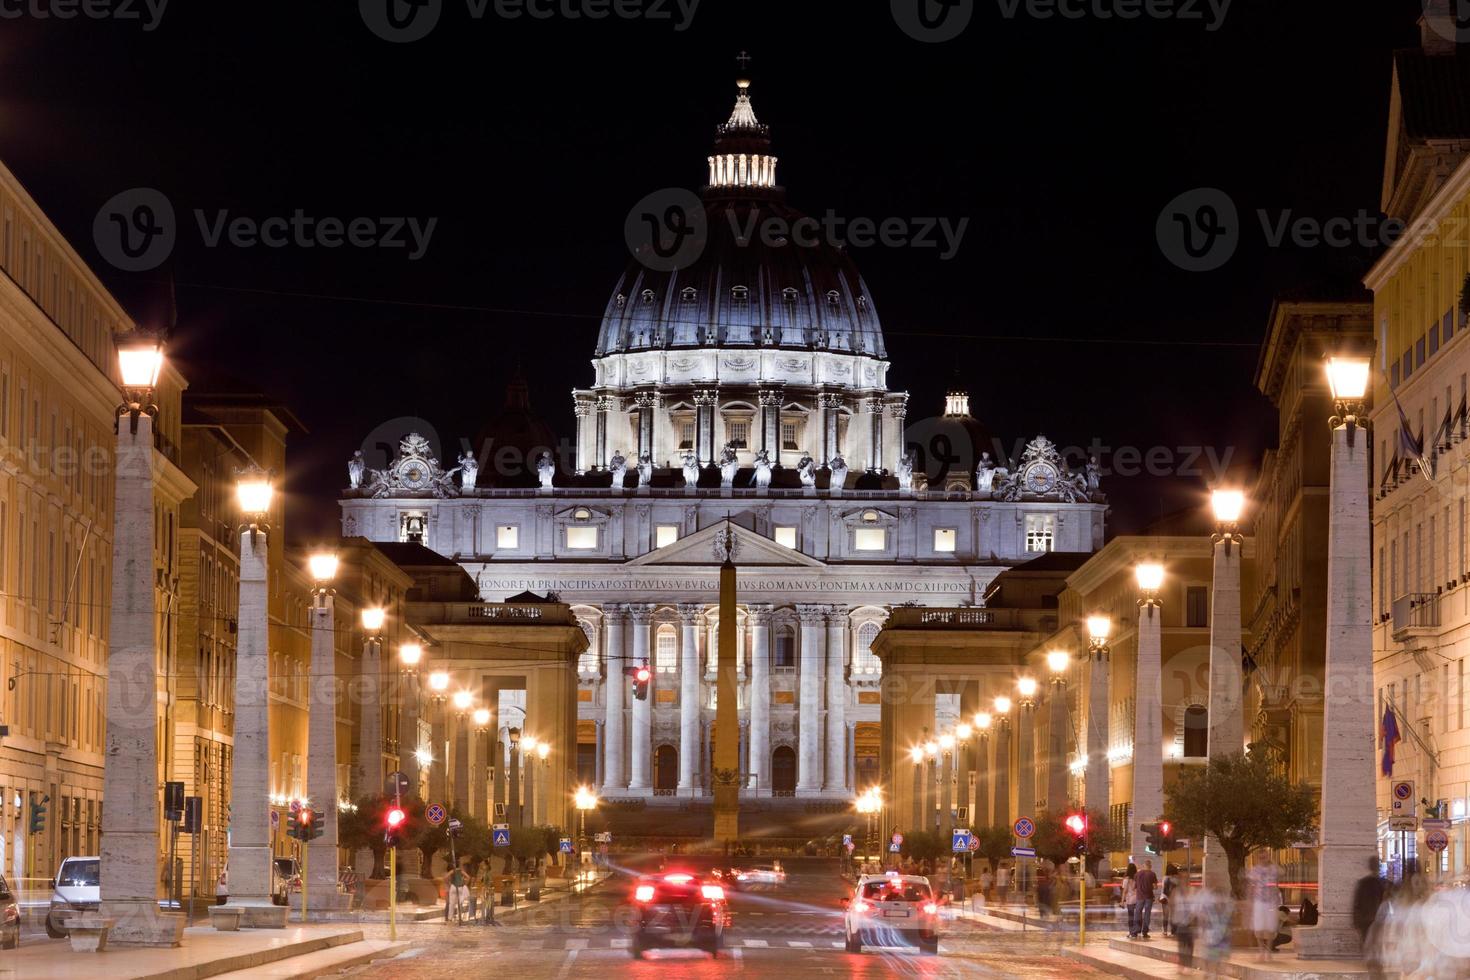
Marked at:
<point>1349,779</point>
<point>584,407</point>
<point>836,781</point>
<point>981,814</point>
<point>1026,748</point>
<point>760,696</point>
<point>770,402</point>
<point>1227,728</point>
<point>604,405</point>
<point>1095,783</point>
<point>614,689</point>
<point>478,764</point>
<point>369,768</point>
<point>704,407</point>
<point>1002,762</point>
<point>1148,735</point>
<point>688,697</point>
<point>641,780</point>
<point>830,405</point>
<point>321,752</point>
<point>874,408</point>
<point>1056,757</point>
<point>809,721</point>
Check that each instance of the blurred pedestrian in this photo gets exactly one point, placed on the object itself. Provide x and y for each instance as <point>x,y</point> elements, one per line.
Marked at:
<point>1213,913</point>
<point>1265,898</point>
<point>1002,883</point>
<point>1130,899</point>
<point>1043,893</point>
<point>1183,916</point>
<point>1168,898</point>
<point>1368,897</point>
<point>987,882</point>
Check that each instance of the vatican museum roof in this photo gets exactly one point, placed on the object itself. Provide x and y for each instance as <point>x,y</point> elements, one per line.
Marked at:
<point>745,289</point>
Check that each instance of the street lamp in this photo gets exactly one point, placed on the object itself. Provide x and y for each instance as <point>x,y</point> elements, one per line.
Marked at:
<point>1349,782</point>
<point>1148,715</point>
<point>462,701</point>
<point>139,363</point>
<point>253,492</point>
<point>1057,661</point>
<point>373,618</point>
<point>1002,707</point>
<point>409,655</point>
<point>1095,782</point>
<point>439,683</point>
<point>1026,687</point>
<point>319,877</point>
<point>1226,723</point>
<point>583,799</point>
<point>482,720</point>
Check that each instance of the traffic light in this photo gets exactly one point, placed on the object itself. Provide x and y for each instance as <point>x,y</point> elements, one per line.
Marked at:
<point>394,825</point>
<point>1166,837</point>
<point>1076,824</point>
<point>1152,837</point>
<point>308,827</point>
<point>38,812</point>
<point>641,676</point>
<point>293,829</point>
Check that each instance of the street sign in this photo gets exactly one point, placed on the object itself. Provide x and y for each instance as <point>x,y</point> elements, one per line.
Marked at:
<point>454,826</point>
<point>1023,852</point>
<point>295,806</point>
<point>275,820</point>
<point>435,814</point>
<point>897,839</point>
<point>500,835</point>
<point>1430,824</point>
<point>499,809</point>
<point>1436,840</point>
<point>1024,828</point>
<point>974,844</point>
<point>565,847</point>
<point>603,838</point>
<point>961,841</point>
<point>1403,823</point>
<point>847,840</point>
<point>892,848</point>
<point>396,784</point>
<point>1402,796</point>
<point>850,847</point>
<point>1183,841</point>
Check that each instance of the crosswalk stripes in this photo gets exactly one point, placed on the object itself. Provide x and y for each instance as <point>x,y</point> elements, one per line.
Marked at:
<point>576,944</point>
<point>756,943</point>
<point>798,944</point>
<point>621,943</point>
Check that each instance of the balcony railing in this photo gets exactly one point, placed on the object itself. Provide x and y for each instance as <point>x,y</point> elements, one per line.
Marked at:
<point>1415,611</point>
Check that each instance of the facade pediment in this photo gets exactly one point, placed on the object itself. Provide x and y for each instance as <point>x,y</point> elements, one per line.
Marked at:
<point>707,547</point>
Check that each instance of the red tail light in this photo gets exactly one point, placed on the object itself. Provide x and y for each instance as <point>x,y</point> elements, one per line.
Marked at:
<point>860,906</point>
<point>678,879</point>
<point>712,892</point>
<point>931,909</point>
<point>643,893</point>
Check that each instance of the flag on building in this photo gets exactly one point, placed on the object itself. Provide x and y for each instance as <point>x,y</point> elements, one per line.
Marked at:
<point>1391,738</point>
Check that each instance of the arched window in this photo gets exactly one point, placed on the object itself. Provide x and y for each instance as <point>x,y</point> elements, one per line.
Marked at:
<point>1196,731</point>
<point>864,661</point>
<point>666,652</point>
<point>647,295</point>
<point>587,661</point>
<point>789,294</point>
<point>740,293</point>
<point>688,293</point>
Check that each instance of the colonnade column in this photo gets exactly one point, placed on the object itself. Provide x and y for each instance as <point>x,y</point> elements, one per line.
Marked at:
<point>1026,757</point>
<point>760,696</point>
<point>641,778</point>
<point>1226,732</point>
<point>874,408</point>
<point>1002,816</point>
<point>614,690</point>
<point>321,757</point>
<point>1148,736</point>
<point>477,773</point>
<point>689,697</point>
<point>604,405</point>
<point>836,781</point>
<point>770,403</point>
<point>704,442</point>
<point>809,730</point>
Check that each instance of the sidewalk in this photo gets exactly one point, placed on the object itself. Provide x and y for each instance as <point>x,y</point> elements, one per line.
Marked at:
<point>205,953</point>
<point>1152,959</point>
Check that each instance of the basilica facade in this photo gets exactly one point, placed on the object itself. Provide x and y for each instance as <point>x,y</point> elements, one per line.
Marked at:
<point>746,388</point>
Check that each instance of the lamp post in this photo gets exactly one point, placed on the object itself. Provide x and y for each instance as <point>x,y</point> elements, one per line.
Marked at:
<point>916,755</point>
<point>370,735</point>
<point>410,655</point>
<point>1002,706</point>
<point>536,778</point>
<point>584,799</point>
<point>931,805</point>
<point>459,748</point>
<point>439,736</point>
<point>982,721</point>
<point>251,857</point>
<point>129,878</point>
<point>1349,786</point>
<point>1026,688</point>
<point>1226,724</point>
<point>964,771</point>
<point>1057,662</point>
<point>1148,734</point>
<point>478,769</point>
<point>1095,782</point>
<point>319,886</point>
<point>513,770</point>
<point>946,783</point>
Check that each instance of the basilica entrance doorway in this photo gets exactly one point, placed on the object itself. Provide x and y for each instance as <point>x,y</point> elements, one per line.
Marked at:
<point>665,771</point>
<point>783,771</point>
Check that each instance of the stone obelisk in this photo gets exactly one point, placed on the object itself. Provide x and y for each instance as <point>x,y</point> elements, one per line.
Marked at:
<point>727,777</point>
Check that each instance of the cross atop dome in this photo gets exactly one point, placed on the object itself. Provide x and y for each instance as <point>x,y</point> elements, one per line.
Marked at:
<point>744,115</point>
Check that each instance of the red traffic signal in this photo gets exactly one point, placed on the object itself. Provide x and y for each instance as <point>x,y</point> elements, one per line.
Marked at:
<point>643,675</point>
<point>1166,829</point>
<point>396,816</point>
<point>393,825</point>
<point>1076,823</point>
<point>305,817</point>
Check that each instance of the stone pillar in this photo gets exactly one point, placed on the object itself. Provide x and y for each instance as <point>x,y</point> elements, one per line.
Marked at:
<point>477,774</point>
<point>530,770</point>
<point>760,696</point>
<point>498,792</point>
<point>1002,817</point>
<point>893,442</point>
<point>1056,754</point>
<point>370,775</point>
<point>688,696</point>
<point>919,794</point>
<point>1026,759</point>
<point>1227,730</point>
<point>321,755</point>
<point>604,405</point>
<point>809,717</point>
<point>830,405</point>
<point>1095,783</point>
<point>836,781</point>
<point>770,403</point>
<point>515,809</point>
<point>439,764</point>
<point>130,842</point>
<point>874,408</point>
<point>945,772</point>
<point>1148,736</point>
<point>459,793</point>
<point>641,779</point>
<point>615,689</point>
<point>251,858</point>
<point>980,816</point>
<point>1349,779</point>
<point>408,759</point>
<point>704,407</point>
<point>583,409</point>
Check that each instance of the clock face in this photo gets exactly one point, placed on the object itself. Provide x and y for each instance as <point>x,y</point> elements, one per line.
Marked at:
<point>413,474</point>
<point>1041,478</point>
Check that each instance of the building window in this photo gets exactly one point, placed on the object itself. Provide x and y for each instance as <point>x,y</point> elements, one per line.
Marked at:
<point>740,293</point>
<point>508,536</point>
<point>784,654</point>
<point>1197,606</point>
<point>582,539</point>
<point>786,537</point>
<point>863,659</point>
<point>870,539</point>
<point>788,436</point>
<point>688,294</point>
<point>665,535</point>
<point>738,432</point>
<point>411,526</point>
<point>686,434</point>
<point>944,538</point>
<point>666,653</point>
<point>1196,732</point>
<point>1040,532</point>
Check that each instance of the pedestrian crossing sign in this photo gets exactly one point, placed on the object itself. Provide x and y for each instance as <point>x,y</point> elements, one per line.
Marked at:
<point>500,835</point>
<point>565,847</point>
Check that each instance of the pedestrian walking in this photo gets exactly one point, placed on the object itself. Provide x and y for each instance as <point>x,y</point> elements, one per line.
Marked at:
<point>1130,899</point>
<point>1172,883</point>
<point>1183,918</point>
<point>1265,898</point>
<point>1146,885</point>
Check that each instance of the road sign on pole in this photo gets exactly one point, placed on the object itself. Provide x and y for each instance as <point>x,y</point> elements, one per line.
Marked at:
<point>275,820</point>
<point>1436,840</point>
<point>1024,828</point>
<point>974,844</point>
<point>435,814</point>
<point>565,847</point>
<point>1431,824</point>
<point>1023,852</point>
<point>1402,796</point>
<point>1410,824</point>
<point>960,842</point>
<point>500,835</point>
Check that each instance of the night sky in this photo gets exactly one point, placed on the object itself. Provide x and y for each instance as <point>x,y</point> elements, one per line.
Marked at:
<point>528,140</point>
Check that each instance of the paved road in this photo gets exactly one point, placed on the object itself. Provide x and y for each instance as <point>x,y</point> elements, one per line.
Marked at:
<point>789,932</point>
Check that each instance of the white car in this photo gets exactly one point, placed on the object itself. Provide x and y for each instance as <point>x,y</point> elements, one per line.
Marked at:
<point>765,874</point>
<point>893,910</point>
<point>75,890</point>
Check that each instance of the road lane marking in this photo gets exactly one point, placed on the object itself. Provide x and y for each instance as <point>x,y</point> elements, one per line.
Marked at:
<point>621,943</point>
<point>566,966</point>
<point>756,943</point>
<point>798,944</point>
